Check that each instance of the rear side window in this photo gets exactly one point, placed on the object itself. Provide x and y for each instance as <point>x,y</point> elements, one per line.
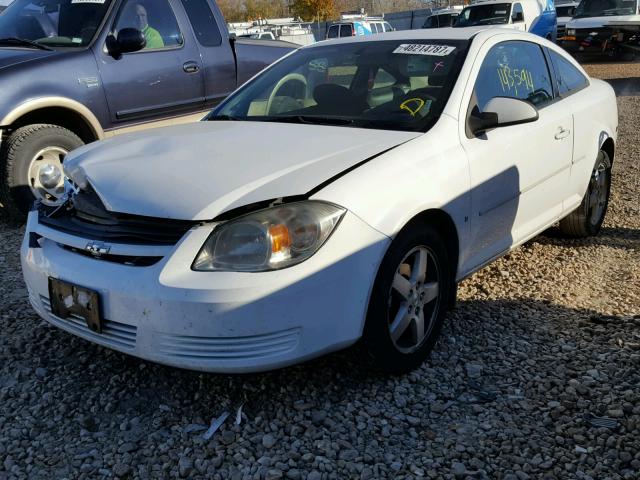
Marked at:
<point>375,29</point>
<point>514,69</point>
<point>569,78</point>
<point>431,22</point>
<point>333,31</point>
<point>346,30</point>
<point>203,22</point>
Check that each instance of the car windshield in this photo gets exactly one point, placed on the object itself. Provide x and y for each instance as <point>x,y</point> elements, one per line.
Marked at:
<point>565,11</point>
<point>605,8</point>
<point>393,85</point>
<point>52,23</point>
<point>492,14</point>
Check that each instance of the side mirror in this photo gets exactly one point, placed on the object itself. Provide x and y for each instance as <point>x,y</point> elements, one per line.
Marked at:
<point>517,17</point>
<point>502,112</point>
<point>233,36</point>
<point>129,40</point>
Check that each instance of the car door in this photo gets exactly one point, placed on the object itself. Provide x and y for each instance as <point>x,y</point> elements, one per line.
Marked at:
<point>162,80</point>
<point>519,173</point>
<point>218,62</point>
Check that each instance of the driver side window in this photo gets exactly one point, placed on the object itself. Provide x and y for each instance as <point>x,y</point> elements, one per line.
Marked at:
<point>514,69</point>
<point>155,19</point>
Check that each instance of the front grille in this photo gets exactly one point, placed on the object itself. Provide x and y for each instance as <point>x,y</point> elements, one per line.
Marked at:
<point>562,30</point>
<point>114,334</point>
<point>86,216</point>
<point>128,260</point>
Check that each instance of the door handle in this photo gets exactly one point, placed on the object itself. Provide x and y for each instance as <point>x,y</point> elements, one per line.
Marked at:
<point>191,67</point>
<point>562,133</point>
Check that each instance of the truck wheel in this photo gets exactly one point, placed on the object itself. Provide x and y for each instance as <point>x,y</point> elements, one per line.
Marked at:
<point>31,166</point>
<point>409,300</point>
<point>588,218</point>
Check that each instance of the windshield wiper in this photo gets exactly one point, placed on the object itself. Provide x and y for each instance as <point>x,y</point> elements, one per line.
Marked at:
<point>306,119</point>
<point>21,42</point>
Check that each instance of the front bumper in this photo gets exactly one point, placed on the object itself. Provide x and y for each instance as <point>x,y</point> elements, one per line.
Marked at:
<point>587,40</point>
<point>216,321</point>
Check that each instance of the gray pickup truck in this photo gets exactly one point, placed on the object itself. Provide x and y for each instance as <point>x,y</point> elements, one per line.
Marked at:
<point>76,71</point>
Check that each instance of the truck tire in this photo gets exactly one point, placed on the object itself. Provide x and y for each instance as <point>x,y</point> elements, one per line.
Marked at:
<point>587,219</point>
<point>31,167</point>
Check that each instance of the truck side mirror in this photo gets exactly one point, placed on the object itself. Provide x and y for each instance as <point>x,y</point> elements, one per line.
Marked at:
<point>517,17</point>
<point>128,40</point>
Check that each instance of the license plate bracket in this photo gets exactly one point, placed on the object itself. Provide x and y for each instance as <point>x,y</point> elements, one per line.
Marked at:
<point>68,299</point>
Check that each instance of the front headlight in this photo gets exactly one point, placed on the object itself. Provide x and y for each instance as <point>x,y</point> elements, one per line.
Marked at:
<point>571,32</point>
<point>270,239</point>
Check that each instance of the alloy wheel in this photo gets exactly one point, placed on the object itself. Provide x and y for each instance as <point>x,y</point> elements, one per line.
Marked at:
<point>414,300</point>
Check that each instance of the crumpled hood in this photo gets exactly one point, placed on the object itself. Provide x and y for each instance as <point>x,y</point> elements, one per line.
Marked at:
<point>198,171</point>
<point>10,56</point>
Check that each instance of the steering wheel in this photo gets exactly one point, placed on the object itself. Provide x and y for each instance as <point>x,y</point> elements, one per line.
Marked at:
<point>281,83</point>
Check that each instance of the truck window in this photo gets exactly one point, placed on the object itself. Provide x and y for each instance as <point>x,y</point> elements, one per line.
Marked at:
<point>517,14</point>
<point>55,23</point>
<point>203,22</point>
<point>155,19</point>
<point>431,22</point>
<point>333,31</point>
<point>346,31</point>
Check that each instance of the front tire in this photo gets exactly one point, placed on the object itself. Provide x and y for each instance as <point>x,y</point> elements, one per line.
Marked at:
<point>587,219</point>
<point>412,291</point>
<point>31,167</point>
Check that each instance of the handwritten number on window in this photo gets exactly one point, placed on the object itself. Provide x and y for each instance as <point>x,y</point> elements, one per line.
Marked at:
<point>515,80</point>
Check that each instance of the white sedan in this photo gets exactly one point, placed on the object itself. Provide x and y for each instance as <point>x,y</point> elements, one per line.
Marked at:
<point>337,197</point>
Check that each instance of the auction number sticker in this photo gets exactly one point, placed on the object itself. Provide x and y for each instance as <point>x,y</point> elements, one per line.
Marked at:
<point>422,49</point>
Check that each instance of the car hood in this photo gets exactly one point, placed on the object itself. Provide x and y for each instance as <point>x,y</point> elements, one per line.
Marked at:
<point>10,56</point>
<point>595,22</point>
<point>198,171</point>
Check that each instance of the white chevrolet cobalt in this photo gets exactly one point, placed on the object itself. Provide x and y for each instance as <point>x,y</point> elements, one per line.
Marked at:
<point>338,197</point>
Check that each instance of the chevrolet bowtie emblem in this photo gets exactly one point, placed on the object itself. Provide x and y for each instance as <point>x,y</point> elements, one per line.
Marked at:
<point>97,249</point>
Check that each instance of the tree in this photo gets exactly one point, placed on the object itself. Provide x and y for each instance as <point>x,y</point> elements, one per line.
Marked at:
<point>232,11</point>
<point>314,9</point>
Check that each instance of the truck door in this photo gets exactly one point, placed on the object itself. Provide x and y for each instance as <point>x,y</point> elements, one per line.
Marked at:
<point>517,18</point>
<point>164,79</point>
<point>218,61</point>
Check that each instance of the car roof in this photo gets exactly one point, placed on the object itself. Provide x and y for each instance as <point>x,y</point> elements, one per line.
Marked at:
<point>448,33</point>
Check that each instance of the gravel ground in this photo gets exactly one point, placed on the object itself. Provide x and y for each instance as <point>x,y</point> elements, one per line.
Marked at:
<point>541,342</point>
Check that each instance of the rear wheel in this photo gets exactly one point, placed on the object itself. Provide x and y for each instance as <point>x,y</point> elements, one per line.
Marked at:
<point>587,219</point>
<point>409,300</point>
<point>31,167</point>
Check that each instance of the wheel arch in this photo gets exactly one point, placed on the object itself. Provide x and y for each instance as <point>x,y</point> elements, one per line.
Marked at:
<point>444,223</point>
<point>60,111</point>
<point>610,148</point>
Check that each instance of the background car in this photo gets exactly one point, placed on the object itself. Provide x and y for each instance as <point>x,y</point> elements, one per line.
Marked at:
<point>442,18</point>
<point>565,12</point>
<point>534,16</point>
<point>78,71</point>
<point>388,170</point>
<point>358,25</point>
